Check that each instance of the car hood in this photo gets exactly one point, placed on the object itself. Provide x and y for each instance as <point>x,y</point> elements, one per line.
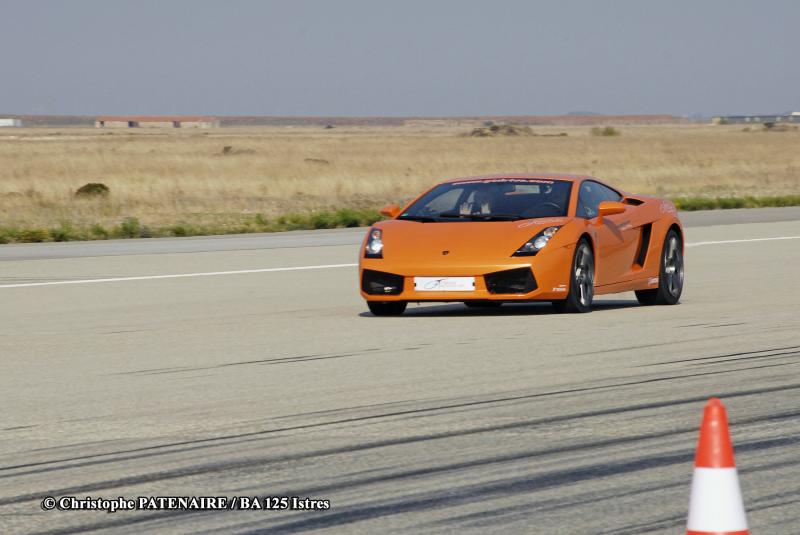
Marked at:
<point>463,241</point>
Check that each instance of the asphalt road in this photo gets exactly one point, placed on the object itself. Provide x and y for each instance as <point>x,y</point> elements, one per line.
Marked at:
<point>252,380</point>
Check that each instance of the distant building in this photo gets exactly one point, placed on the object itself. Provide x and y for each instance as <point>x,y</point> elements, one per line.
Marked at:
<point>793,117</point>
<point>155,121</point>
<point>10,122</point>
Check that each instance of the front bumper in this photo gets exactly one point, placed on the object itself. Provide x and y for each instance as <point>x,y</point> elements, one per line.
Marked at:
<point>394,280</point>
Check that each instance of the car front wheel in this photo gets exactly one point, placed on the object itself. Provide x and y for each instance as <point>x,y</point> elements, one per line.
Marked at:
<point>581,281</point>
<point>670,275</point>
<point>387,308</point>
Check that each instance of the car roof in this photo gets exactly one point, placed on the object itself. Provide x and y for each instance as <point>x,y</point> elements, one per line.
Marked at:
<point>542,176</point>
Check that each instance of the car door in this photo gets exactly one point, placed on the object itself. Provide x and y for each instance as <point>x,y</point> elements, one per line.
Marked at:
<point>615,237</point>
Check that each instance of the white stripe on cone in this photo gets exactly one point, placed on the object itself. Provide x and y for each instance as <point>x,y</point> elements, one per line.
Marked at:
<point>716,504</point>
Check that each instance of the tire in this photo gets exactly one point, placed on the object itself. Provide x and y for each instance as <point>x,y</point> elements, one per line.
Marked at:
<point>581,281</point>
<point>387,308</point>
<point>483,304</point>
<point>670,274</point>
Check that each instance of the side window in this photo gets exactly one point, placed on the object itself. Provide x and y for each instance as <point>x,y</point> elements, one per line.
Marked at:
<point>588,200</point>
<point>591,195</point>
<point>608,194</point>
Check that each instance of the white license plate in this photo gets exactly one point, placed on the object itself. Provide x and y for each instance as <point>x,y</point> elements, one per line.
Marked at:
<point>444,284</point>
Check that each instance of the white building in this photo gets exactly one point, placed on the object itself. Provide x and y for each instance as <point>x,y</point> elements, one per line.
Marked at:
<point>155,121</point>
<point>10,122</point>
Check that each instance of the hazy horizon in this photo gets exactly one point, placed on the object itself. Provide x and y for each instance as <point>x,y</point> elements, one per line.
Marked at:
<point>369,59</point>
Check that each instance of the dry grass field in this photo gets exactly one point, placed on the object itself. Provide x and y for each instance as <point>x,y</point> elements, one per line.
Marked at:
<point>188,182</point>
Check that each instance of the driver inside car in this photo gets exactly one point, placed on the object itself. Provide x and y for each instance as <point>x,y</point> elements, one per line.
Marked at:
<point>480,203</point>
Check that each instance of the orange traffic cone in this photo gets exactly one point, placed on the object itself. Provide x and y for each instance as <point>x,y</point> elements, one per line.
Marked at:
<point>715,506</point>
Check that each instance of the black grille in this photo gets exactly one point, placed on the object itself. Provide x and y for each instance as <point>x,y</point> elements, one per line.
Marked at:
<point>380,283</point>
<point>512,281</point>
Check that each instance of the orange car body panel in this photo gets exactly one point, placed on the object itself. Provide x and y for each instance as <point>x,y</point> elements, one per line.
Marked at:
<point>476,248</point>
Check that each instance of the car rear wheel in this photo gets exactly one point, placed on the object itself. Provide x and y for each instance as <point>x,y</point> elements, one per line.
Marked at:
<point>387,308</point>
<point>581,281</point>
<point>670,275</point>
<point>483,304</point>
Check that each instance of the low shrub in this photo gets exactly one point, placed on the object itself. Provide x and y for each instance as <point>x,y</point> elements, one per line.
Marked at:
<point>180,231</point>
<point>130,228</point>
<point>7,235</point>
<point>348,218</point>
<point>93,189</point>
<point>64,232</point>
<point>33,235</point>
<point>495,130</point>
<point>323,220</point>
<point>293,222</point>
<point>722,203</point>
<point>605,131</point>
<point>228,150</point>
<point>98,232</point>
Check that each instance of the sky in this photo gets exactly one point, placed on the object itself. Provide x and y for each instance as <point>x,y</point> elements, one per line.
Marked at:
<point>399,57</point>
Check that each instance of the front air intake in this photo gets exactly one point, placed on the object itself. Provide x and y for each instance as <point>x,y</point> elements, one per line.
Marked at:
<point>380,283</point>
<point>512,281</point>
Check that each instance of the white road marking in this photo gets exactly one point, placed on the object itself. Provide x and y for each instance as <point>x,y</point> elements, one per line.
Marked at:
<point>695,244</point>
<point>294,268</point>
<point>177,276</point>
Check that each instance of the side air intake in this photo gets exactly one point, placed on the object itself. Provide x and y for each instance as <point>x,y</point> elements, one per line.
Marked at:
<point>644,244</point>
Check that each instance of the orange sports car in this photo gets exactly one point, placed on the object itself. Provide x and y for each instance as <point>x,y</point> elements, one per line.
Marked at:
<point>507,238</point>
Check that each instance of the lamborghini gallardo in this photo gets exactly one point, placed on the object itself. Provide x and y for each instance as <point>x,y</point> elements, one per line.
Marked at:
<point>489,240</point>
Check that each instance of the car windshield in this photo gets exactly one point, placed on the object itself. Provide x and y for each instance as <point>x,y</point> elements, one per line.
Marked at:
<point>492,200</point>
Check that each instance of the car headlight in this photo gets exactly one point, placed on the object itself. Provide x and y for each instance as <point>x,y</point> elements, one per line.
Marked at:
<point>537,243</point>
<point>374,247</point>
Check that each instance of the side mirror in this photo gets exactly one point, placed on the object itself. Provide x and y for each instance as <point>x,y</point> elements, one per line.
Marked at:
<point>609,208</point>
<point>390,210</point>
